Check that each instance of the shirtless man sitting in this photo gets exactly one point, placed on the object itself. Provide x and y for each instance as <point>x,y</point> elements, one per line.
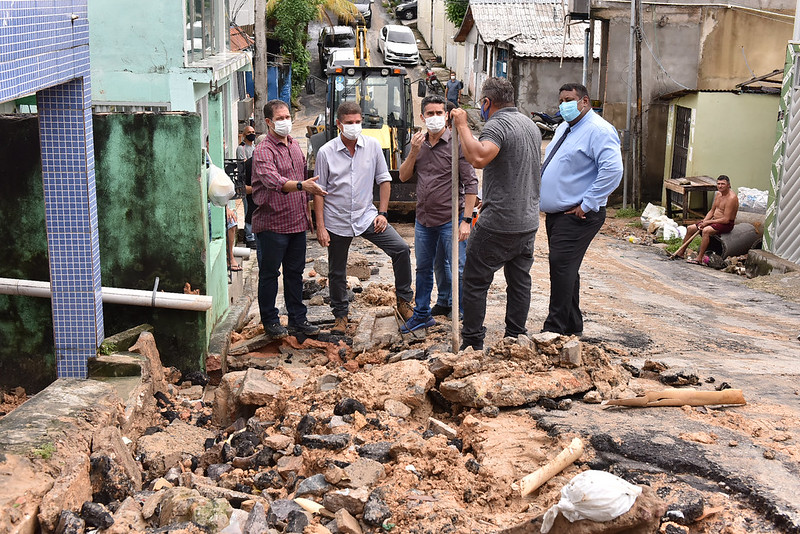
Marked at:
<point>719,220</point>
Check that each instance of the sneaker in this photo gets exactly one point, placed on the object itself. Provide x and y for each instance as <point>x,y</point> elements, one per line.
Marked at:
<point>305,328</point>
<point>404,309</point>
<point>340,325</point>
<point>415,324</point>
<point>440,310</point>
<point>275,331</point>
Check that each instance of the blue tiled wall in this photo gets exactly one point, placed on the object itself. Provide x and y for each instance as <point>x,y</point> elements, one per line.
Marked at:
<point>44,49</point>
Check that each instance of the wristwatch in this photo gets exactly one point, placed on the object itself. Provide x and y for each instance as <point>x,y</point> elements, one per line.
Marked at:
<point>299,185</point>
<point>384,213</point>
<point>467,220</point>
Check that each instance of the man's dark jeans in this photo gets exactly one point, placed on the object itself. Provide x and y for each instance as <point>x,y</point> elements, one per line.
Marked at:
<point>388,241</point>
<point>487,252</point>
<point>289,251</point>
<point>568,237</point>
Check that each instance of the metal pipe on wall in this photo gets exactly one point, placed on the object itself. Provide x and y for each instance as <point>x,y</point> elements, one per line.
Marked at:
<point>114,295</point>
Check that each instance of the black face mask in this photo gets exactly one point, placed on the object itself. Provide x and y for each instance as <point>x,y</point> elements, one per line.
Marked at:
<point>250,137</point>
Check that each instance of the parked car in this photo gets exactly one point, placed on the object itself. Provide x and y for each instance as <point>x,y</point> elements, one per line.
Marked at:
<point>406,10</point>
<point>331,37</point>
<point>341,57</point>
<point>364,11</point>
<point>398,44</point>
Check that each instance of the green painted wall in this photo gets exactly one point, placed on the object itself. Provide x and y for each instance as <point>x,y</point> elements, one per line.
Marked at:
<point>734,135</point>
<point>731,134</point>
<point>26,325</point>
<point>152,221</point>
<point>141,62</point>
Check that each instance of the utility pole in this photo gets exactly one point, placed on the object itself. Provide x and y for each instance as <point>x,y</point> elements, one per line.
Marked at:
<point>627,142</point>
<point>260,65</point>
<point>638,153</point>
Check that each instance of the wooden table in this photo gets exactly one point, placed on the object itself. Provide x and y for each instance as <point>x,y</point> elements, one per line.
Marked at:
<point>679,194</point>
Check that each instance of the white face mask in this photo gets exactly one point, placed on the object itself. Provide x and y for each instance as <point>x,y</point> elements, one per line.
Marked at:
<point>283,128</point>
<point>351,131</point>
<point>435,123</point>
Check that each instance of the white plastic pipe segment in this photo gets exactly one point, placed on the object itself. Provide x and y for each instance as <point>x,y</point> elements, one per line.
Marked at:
<point>241,252</point>
<point>115,295</point>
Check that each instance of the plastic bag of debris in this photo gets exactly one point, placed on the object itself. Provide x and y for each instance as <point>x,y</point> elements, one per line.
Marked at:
<point>753,200</point>
<point>220,186</point>
<point>594,495</point>
<point>651,213</point>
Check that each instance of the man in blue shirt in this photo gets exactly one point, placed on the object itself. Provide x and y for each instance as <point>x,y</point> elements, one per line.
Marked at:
<point>582,167</point>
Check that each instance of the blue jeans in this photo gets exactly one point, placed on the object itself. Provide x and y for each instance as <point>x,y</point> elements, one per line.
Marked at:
<point>248,232</point>
<point>289,251</point>
<point>427,242</point>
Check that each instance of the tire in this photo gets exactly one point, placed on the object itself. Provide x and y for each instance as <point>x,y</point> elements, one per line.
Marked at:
<point>408,15</point>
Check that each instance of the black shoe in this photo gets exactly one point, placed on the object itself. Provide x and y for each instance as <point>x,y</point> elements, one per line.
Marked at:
<point>305,328</point>
<point>251,245</point>
<point>275,331</point>
<point>475,346</point>
<point>440,310</point>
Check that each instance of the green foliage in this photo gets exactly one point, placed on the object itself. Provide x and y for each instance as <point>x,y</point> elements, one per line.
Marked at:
<point>627,213</point>
<point>635,224</point>
<point>456,9</point>
<point>676,242</point>
<point>45,452</point>
<point>292,18</point>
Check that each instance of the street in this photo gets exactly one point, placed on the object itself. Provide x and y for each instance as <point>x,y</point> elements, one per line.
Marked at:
<point>719,327</point>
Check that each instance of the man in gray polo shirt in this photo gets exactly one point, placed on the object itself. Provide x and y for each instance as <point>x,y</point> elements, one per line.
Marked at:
<point>348,166</point>
<point>509,152</point>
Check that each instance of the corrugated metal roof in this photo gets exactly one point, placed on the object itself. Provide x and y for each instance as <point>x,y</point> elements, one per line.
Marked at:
<point>535,28</point>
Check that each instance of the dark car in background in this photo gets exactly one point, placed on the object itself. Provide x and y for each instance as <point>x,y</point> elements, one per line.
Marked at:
<point>406,10</point>
<point>364,17</point>
<point>331,37</point>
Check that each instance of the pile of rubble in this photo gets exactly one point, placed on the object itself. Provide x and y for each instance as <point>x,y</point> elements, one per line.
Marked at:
<point>396,446</point>
<point>417,441</point>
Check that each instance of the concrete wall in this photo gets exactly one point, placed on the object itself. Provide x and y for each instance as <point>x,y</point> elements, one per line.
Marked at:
<point>536,81</point>
<point>152,221</point>
<point>736,43</point>
<point>699,48</point>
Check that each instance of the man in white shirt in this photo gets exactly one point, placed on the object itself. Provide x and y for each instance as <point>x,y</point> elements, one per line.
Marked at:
<point>347,167</point>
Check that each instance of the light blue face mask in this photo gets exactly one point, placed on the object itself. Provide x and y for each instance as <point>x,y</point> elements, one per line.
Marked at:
<point>569,110</point>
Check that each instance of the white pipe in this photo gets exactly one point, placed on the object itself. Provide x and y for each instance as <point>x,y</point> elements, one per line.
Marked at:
<point>114,295</point>
<point>242,252</point>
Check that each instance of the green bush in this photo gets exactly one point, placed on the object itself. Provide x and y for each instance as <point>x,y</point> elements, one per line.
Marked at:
<point>627,213</point>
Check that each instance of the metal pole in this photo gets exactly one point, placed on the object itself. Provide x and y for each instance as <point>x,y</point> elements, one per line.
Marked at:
<point>628,108</point>
<point>260,65</point>
<point>587,54</point>
<point>638,153</point>
<point>454,215</point>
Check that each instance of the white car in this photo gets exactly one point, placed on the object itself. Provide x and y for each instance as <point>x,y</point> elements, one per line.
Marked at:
<point>341,57</point>
<point>398,45</point>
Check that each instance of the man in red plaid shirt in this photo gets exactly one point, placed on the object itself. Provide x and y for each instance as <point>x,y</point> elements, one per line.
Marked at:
<point>281,193</point>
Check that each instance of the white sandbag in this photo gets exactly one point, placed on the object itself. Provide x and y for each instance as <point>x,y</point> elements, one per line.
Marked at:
<point>220,186</point>
<point>651,212</point>
<point>594,495</point>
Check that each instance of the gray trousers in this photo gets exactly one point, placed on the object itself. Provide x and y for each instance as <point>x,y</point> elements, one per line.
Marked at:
<point>487,252</point>
<point>388,241</point>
